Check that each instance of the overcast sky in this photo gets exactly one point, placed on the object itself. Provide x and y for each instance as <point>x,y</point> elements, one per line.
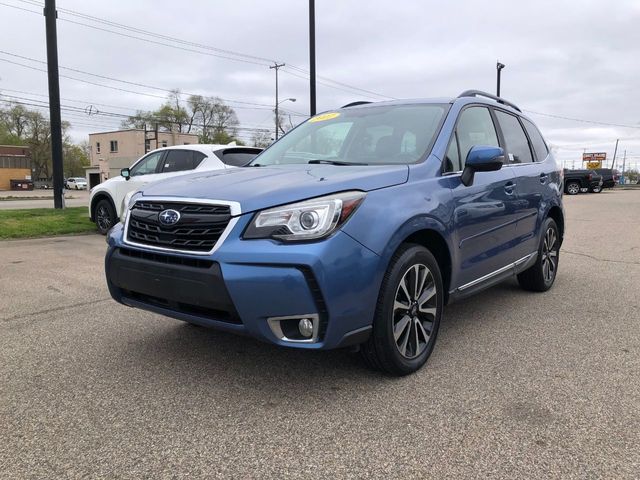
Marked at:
<point>578,59</point>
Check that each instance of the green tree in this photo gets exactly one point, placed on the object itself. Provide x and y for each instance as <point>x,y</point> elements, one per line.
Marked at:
<point>75,159</point>
<point>209,117</point>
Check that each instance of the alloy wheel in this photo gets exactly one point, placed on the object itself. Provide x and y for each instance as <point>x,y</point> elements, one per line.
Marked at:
<point>103,218</point>
<point>414,311</point>
<point>573,188</point>
<point>549,254</point>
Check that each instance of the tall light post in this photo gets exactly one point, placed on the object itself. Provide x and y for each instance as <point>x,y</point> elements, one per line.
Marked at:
<point>278,113</point>
<point>312,57</point>
<point>499,67</point>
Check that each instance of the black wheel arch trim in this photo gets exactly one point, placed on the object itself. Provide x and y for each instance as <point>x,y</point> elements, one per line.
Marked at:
<point>94,202</point>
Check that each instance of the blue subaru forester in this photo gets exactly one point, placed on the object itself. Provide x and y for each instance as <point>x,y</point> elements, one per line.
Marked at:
<point>356,228</point>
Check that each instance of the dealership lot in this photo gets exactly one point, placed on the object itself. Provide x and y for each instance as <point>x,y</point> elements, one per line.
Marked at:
<point>520,385</point>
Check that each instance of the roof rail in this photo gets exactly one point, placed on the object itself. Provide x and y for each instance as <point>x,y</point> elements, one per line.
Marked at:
<point>479,93</point>
<point>355,104</point>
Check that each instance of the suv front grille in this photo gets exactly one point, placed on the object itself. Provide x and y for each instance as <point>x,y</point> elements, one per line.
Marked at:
<point>198,229</point>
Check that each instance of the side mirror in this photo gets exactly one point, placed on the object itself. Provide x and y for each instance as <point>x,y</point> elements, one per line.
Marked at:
<point>481,158</point>
<point>125,173</point>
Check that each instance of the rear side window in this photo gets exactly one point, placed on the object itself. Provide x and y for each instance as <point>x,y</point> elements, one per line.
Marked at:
<point>475,127</point>
<point>236,158</point>
<point>181,160</point>
<point>516,141</point>
<point>537,142</point>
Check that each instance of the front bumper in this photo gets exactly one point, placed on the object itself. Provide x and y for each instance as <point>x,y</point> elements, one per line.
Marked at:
<point>244,283</point>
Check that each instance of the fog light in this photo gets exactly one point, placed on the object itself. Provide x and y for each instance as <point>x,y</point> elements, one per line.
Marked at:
<point>306,327</point>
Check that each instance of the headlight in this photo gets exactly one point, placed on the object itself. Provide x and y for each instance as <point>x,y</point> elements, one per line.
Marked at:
<point>308,220</point>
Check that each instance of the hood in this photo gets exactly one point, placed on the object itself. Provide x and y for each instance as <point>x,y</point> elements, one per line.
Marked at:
<point>257,188</point>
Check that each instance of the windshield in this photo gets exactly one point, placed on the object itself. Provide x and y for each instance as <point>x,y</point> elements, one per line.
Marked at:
<point>387,134</point>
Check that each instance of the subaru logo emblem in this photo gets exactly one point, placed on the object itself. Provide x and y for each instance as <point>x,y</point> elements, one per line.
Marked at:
<point>169,217</point>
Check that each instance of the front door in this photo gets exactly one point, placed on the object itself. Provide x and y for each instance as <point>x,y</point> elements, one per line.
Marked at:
<point>484,216</point>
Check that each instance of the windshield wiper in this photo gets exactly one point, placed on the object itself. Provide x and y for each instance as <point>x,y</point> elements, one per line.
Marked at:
<point>334,162</point>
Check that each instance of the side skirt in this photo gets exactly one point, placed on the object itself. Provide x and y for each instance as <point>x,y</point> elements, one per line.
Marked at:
<point>492,278</point>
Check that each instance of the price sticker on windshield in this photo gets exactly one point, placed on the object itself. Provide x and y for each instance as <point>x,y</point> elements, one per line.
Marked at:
<point>325,116</point>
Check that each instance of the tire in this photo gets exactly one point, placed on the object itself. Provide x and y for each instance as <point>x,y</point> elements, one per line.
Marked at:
<point>596,189</point>
<point>541,275</point>
<point>105,216</point>
<point>416,326</point>
<point>573,188</point>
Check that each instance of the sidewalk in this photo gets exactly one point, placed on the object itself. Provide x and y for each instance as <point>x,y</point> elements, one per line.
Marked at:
<point>37,194</point>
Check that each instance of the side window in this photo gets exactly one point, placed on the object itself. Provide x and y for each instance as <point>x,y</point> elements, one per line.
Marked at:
<point>539,146</point>
<point>147,165</point>
<point>178,161</point>
<point>475,127</point>
<point>198,157</point>
<point>516,141</point>
<point>237,158</point>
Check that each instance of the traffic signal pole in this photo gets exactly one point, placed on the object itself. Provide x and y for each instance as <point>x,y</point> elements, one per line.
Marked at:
<point>50,16</point>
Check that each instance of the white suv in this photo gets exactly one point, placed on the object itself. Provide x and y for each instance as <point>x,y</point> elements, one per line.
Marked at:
<point>76,183</point>
<point>107,199</point>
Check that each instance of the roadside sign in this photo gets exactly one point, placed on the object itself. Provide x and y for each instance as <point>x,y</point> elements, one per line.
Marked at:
<point>594,160</point>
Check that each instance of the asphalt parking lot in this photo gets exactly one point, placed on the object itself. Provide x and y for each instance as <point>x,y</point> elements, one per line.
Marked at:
<point>520,385</point>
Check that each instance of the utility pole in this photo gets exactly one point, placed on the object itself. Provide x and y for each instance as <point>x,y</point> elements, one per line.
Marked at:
<point>275,67</point>
<point>50,16</point>
<point>613,163</point>
<point>499,67</point>
<point>312,57</point>
<point>624,162</point>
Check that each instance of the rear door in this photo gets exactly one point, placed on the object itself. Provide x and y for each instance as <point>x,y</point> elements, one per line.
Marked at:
<point>484,212</point>
<point>532,179</point>
<point>178,161</point>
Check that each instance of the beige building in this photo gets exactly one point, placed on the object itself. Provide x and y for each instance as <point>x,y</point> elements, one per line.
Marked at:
<point>113,151</point>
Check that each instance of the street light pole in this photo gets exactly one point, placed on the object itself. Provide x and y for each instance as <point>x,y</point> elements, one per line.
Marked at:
<point>278,114</point>
<point>499,67</point>
<point>615,152</point>
<point>276,66</point>
<point>312,57</point>
<point>50,16</point>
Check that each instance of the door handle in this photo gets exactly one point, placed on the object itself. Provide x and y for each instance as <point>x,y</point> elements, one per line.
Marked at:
<point>509,187</point>
<point>543,177</point>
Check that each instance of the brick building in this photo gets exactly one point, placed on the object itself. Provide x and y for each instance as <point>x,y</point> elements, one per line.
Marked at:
<point>15,164</point>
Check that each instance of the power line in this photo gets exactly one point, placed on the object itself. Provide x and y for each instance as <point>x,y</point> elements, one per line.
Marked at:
<point>106,77</point>
<point>75,13</point>
<point>151,119</point>
<point>261,61</point>
<point>595,122</point>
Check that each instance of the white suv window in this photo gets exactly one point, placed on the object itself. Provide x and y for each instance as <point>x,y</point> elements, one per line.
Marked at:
<point>147,165</point>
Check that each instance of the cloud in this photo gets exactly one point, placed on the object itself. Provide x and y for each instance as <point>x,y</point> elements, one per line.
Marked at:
<point>574,58</point>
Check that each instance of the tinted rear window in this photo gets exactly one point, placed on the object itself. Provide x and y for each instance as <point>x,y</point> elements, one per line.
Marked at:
<point>237,159</point>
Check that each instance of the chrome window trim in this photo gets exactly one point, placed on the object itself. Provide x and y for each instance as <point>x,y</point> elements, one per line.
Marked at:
<point>234,207</point>
<point>488,276</point>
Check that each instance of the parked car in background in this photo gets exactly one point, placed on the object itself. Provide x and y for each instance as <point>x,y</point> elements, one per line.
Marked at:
<point>106,200</point>
<point>610,177</point>
<point>577,180</point>
<point>76,183</point>
<point>355,228</point>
